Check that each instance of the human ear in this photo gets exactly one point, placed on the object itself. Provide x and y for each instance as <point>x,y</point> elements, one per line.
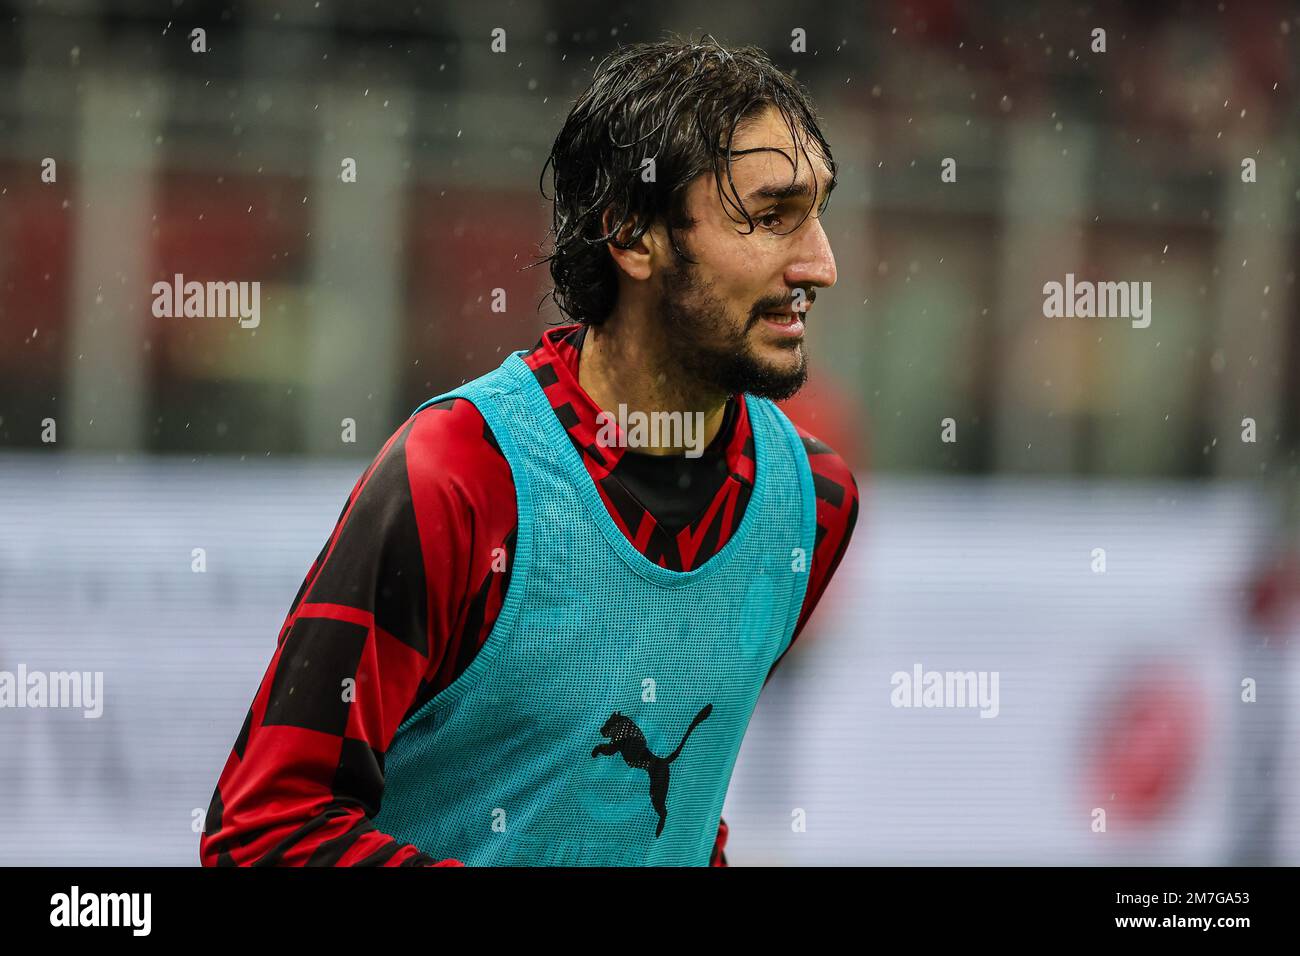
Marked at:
<point>636,260</point>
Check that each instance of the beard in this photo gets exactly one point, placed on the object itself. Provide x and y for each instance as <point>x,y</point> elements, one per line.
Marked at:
<point>706,352</point>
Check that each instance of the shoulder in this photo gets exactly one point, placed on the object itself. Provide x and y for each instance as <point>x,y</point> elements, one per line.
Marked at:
<point>451,434</point>
<point>833,478</point>
<point>439,473</point>
<point>837,497</point>
<point>832,475</point>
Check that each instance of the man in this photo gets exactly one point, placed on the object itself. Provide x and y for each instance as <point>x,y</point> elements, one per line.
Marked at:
<point>527,643</point>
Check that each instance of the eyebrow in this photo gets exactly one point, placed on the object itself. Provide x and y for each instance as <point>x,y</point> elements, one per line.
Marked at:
<point>789,190</point>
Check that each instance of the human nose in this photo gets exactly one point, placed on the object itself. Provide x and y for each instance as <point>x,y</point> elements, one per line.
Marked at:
<point>816,263</point>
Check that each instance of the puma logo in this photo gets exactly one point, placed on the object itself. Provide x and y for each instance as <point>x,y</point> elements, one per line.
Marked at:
<point>625,738</point>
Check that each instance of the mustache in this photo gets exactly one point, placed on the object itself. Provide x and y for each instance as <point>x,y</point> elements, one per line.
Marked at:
<point>810,297</point>
<point>786,305</point>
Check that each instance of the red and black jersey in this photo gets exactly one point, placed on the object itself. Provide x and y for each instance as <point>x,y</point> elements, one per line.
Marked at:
<point>408,588</point>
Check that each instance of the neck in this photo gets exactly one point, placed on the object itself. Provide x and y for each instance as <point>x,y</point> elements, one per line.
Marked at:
<point>617,368</point>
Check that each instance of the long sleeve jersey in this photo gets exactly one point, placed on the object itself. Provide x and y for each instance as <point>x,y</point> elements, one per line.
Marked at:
<point>420,558</point>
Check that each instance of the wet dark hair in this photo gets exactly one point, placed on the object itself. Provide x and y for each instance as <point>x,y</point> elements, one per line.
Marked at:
<point>680,102</point>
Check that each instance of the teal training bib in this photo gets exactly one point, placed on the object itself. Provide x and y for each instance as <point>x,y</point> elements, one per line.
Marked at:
<point>600,722</point>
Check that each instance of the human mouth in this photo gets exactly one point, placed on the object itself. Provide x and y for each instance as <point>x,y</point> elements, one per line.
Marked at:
<point>785,324</point>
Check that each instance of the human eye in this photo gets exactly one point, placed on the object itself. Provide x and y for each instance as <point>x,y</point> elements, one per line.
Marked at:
<point>769,220</point>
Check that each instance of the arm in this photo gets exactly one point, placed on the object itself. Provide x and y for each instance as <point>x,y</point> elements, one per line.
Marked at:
<point>837,496</point>
<point>837,516</point>
<point>719,858</point>
<point>384,620</point>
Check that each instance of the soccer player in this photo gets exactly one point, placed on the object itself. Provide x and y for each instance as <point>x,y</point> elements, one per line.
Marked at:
<point>527,643</point>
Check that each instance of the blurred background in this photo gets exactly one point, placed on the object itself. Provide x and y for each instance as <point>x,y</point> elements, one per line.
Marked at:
<point>128,440</point>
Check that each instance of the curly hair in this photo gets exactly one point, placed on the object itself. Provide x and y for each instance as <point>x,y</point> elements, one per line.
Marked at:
<point>680,102</point>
